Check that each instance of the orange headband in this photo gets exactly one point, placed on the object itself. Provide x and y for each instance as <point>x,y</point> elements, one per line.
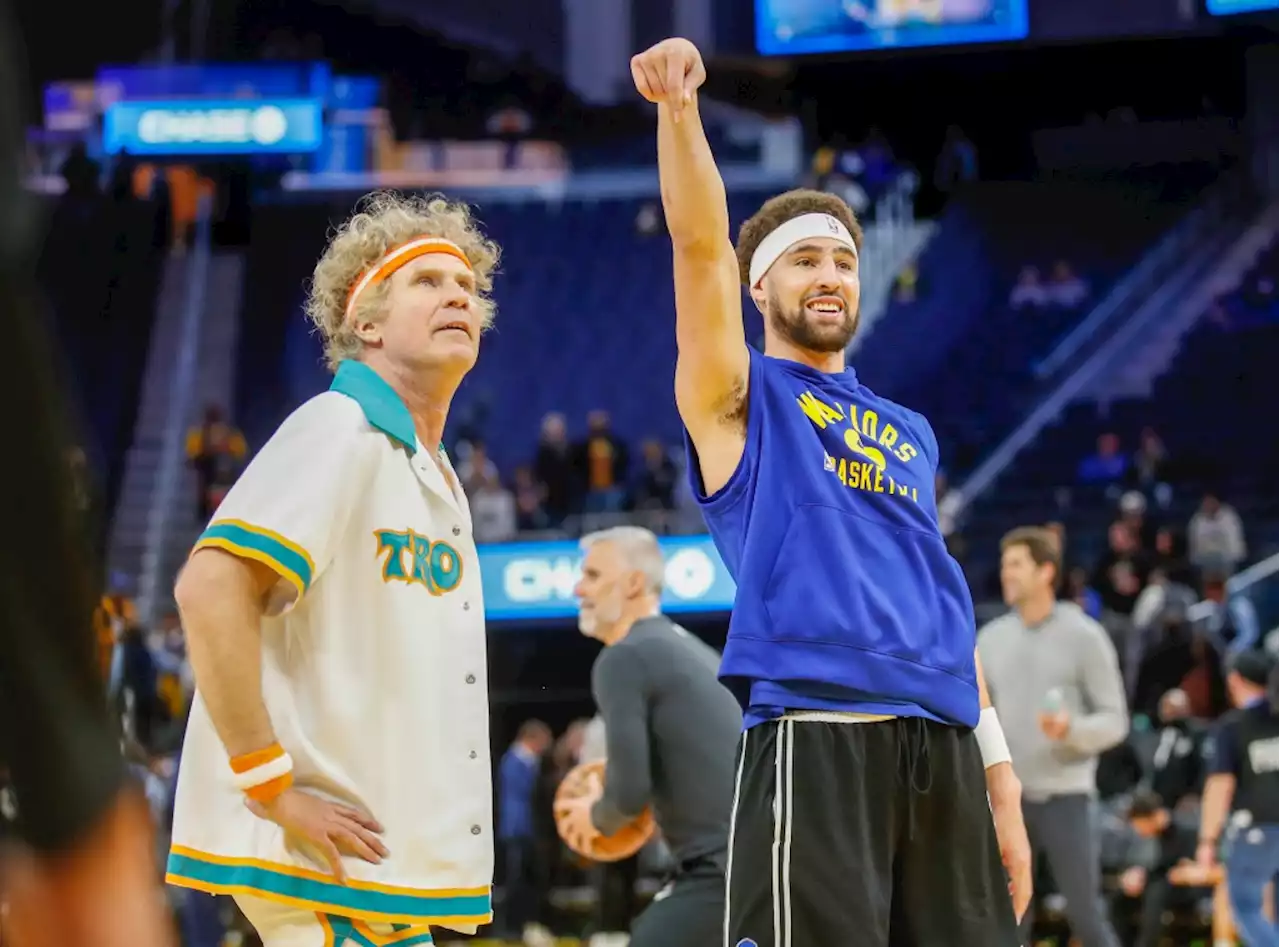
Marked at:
<point>397,257</point>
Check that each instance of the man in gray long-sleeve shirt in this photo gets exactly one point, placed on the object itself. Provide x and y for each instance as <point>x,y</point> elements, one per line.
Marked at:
<point>1055,680</point>
<point>671,731</point>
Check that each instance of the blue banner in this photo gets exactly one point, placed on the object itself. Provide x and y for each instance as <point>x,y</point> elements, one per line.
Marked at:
<point>1231,7</point>
<point>530,581</point>
<point>214,127</point>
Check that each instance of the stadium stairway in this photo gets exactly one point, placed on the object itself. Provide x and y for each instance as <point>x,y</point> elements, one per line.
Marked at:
<point>128,539</point>
<point>189,364</point>
<point>211,385</point>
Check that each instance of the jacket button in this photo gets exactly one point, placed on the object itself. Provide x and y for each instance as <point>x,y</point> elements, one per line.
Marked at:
<point>457,531</point>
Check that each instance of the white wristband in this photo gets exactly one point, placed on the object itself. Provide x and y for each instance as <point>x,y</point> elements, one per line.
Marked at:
<point>991,739</point>
<point>264,773</point>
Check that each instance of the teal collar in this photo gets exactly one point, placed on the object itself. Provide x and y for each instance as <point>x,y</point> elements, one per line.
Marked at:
<point>381,405</point>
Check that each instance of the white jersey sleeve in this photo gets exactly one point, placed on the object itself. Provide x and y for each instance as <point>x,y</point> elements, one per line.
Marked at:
<point>290,507</point>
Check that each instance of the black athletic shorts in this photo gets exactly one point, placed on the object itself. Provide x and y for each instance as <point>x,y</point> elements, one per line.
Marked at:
<point>876,834</point>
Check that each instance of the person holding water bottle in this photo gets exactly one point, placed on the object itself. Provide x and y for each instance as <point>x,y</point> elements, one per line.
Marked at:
<point>1055,681</point>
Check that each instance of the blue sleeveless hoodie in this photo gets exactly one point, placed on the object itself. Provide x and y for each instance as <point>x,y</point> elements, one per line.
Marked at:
<point>847,597</point>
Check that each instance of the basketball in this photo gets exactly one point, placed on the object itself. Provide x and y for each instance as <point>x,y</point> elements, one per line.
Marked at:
<point>604,848</point>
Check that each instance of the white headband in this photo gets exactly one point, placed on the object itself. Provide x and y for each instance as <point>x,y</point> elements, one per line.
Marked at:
<point>804,227</point>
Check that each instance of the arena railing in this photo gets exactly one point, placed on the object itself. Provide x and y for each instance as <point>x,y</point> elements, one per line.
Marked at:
<point>1253,595</point>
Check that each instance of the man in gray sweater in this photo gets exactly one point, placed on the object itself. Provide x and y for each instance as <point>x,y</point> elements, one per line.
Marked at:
<point>1055,681</point>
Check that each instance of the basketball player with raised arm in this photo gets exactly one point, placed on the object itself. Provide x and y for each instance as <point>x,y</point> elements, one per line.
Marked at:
<point>861,814</point>
<point>335,775</point>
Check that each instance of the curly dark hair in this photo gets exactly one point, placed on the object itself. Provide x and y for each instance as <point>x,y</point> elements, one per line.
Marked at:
<point>776,211</point>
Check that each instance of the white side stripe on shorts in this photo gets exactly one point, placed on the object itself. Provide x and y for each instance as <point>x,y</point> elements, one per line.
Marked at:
<point>786,839</point>
<point>733,824</point>
<point>782,812</point>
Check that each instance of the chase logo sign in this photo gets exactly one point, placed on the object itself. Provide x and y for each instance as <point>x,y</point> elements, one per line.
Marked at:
<point>214,127</point>
<point>529,581</point>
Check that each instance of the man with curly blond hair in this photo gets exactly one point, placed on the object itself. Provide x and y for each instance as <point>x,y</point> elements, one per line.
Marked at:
<point>335,774</point>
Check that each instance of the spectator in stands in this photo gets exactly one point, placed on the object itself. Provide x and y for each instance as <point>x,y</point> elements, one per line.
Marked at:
<point>216,451</point>
<point>1065,289</point>
<point>601,460</point>
<point>1178,764</point>
<point>1150,468</point>
<point>1151,817</point>
<point>81,172</point>
<point>530,515</point>
<point>475,466</point>
<point>493,509</point>
<point>554,470</point>
<point>138,696</point>
<point>1058,532</point>
<point>957,162</point>
<point>655,487</point>
<point>1170,556</point>
<point>906,285</point>
<point>115,613</point>
<point>517,785</point>
<point>1159,658</point>
<point>511,123</point>
<point>879,168</point>
<point>1233,624</point>
<point>1122,571</point>
<point>1133,514</point>
<point>1107,465</point>
<point>1055,681</point>
<point>556,764</point>
<point>1259,290</point>
<point>1215,537</point>
<point>1028,292</point>
<point>1158,622</point>
<point>821,167</point>
<point>175,680</point>
<point>1079,591</point>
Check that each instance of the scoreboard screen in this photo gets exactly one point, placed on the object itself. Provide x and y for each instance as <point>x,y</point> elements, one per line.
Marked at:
<point>795,27</point>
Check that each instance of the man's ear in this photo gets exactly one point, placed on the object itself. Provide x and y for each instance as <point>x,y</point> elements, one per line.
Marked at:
<point>368,331</point>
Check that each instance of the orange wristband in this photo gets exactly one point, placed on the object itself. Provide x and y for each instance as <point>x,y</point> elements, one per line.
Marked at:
<point>263,774</point>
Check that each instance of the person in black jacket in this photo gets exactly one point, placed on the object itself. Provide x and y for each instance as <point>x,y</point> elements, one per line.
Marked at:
<point>1240,796</point>
<point>1178,765</point>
